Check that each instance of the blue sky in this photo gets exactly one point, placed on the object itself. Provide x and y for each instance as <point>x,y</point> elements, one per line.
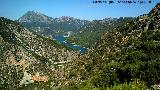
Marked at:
<point>82,9</point>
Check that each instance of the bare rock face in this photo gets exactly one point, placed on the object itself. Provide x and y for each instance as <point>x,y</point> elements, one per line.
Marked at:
<point>26,79</point>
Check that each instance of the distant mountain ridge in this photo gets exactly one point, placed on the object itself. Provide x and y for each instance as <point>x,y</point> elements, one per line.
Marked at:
<point>43,24</point>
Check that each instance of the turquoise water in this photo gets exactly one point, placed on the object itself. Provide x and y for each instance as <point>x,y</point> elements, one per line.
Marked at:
<point>61,39</point>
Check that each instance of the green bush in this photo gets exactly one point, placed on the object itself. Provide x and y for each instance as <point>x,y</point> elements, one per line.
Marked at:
<point>135,85</point>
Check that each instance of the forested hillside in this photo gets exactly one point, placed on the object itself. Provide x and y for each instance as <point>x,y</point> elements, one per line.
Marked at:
<point>125,58</point>
<point>90,34</point>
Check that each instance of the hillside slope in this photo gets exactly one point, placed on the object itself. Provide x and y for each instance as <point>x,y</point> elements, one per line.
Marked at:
<point>125,58</point>
<point>29,58</point>
<point>90,34</point>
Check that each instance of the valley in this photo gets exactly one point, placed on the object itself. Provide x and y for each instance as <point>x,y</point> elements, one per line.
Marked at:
<point>38,52</point>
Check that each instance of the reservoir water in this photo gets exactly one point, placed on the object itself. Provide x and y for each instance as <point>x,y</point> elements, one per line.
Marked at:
<point>61,39</point>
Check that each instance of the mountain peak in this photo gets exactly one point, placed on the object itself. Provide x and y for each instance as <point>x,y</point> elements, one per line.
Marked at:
<point>33,12</point>
<point>66,18</point>
<point>34,16</point>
